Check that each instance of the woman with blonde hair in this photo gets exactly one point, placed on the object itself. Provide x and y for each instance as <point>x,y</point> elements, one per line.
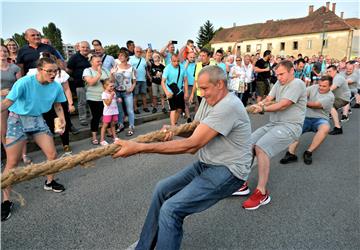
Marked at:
<point>13,48</point>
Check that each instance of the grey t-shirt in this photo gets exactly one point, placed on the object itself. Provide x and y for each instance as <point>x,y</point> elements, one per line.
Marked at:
<point>8,77</point>
<point>292,117</point>
<point>353,78</point>
<point>342,91</point>
<point>93,93</point>
<point>326,100</point>
<point>232,146</point>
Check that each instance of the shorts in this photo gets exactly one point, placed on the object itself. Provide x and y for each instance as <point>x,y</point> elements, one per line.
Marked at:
<point>339,103</point>
<point>17,132</point>
<point>262,88</point>
<point>110,118</point>
<point>140,88</point>
<point>358,91</point>
<point>157,90</point>
<point>273,138</point>
<point>177,102</point>
<point>313,124</point>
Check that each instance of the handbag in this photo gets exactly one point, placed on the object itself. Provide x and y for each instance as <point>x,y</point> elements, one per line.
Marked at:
<point>174,87</point>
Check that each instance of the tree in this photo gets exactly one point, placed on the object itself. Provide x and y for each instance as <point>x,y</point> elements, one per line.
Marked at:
<point>112,50</point>
<point>206,33</point>
<point>54,35</point>
<point>20,39</point>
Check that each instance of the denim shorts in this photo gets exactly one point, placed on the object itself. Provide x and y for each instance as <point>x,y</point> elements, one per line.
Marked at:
<point>20,128</point>
<point>313,124</point>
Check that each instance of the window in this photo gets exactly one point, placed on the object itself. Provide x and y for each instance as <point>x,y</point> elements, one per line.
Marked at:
<point>230,48</point>
<point>282,46</point>
<point>258,48</point>
<point>248,48</point>
<point>309,44</point>
<point>325,43</point>
<point>269,46</point>
<point>295,45</point>
<point>238,51</point>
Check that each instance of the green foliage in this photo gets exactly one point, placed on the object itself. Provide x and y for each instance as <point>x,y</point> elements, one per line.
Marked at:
<point>20,39</point>
<point>54,35</point>
<point>112,50</point>
<point>205,34</point>
<point>1,41</point>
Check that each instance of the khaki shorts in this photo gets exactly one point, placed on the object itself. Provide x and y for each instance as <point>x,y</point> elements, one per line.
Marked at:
<point>273,138</point>
<point>262,88</point>
<point>157,90</point>
<point>339,103</point>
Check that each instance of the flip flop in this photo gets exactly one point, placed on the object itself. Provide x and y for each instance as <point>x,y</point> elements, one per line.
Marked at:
<point>95,142</point>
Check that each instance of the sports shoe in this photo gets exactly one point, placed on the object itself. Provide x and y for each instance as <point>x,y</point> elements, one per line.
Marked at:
<point>136,111</point>
<point>67,150</point>
<point>120,128</point>
<point>104,143</point>
<point>344,118</point>
<point>54,186</point>
<point>189,120</point>
<point>307,157</point>
<point>288,158</point>
<point>74,130</point>
<point>256,200</point>
<point>146,110</point>
<point>6,207</point>
<point>154,110</point>
<point>336,131</point>
<point>244,190</point>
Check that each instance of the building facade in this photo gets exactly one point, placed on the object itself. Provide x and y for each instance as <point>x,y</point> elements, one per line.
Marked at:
<point>321,32</point>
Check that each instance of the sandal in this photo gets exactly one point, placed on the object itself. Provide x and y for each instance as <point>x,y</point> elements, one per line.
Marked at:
<point>95,142</point>
<point>26,159</point>
<point>130,132</point>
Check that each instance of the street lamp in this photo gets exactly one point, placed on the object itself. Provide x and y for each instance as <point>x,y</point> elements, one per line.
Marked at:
<point>323,36</point>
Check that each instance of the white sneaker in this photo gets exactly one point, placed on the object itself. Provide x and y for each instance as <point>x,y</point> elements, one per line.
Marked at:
<point>244,190</point>
<point>104,143</point>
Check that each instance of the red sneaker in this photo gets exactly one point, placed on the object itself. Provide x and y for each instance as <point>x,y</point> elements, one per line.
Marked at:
<point>256,200</point>
<point>244,190</point>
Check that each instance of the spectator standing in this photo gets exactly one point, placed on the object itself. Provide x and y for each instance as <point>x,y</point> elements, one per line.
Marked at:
<point>13,48</point>
<point>156,71</point>
<point>108,61</point>
<point>168,51</point>
<point>75,67</point>
<point>92,77</point>
<point>262,68</point>
<point>125,82</point>
<point>174,84</point>
<point>139,63</point>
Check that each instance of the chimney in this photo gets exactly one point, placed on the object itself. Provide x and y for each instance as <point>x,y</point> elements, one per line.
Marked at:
<point>333,7</point>
<point>342,14</point>
<point>327,6</point>
<point>311,9</point>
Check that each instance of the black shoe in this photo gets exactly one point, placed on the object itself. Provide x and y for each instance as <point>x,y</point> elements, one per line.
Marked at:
<point>336,131</point>
<point>307,157</point>
<point>137,111</point>
<point>54,186</point>
<point>356,106</point>
<point>188,120</point>
<point>84,124</point>
<point>146,110</point>
<point>164,110</point>
<point>288,158</point>
<point>74,130</point>
<point>6,207</point>
<point>154,110</point>
<point>344,118</point>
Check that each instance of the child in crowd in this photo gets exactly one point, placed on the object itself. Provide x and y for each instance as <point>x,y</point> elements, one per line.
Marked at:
<point>110,113</point>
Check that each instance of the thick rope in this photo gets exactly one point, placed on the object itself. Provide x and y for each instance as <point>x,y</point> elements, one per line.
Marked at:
<point>83,158</point>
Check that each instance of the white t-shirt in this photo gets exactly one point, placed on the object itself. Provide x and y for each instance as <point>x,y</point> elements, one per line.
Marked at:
<point>112,109</point>
<point>62,78</point>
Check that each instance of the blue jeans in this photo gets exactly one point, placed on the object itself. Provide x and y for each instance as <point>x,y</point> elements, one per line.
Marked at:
<point>129,103</point>
<point>192,190</point>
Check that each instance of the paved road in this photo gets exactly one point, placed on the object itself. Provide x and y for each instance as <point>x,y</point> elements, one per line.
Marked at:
<point>312,207</point>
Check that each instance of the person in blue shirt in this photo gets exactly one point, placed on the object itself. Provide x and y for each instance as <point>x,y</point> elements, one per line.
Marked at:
<point>29,98</point>
<point>189,65</point>
<point>219,56</point>
<point>167,52</point>
<point>175,85</point>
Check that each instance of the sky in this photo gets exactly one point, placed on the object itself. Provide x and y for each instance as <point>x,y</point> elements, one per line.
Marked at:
<point>155,22</point>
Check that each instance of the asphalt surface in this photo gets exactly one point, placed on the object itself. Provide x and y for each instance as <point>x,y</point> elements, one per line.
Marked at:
<point>312,207</point>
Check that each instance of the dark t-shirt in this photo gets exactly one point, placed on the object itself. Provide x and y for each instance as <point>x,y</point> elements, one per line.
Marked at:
<point>77,63</point>
<point>156,72</point>
<point>262,64</point>
<point>28,55</point>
